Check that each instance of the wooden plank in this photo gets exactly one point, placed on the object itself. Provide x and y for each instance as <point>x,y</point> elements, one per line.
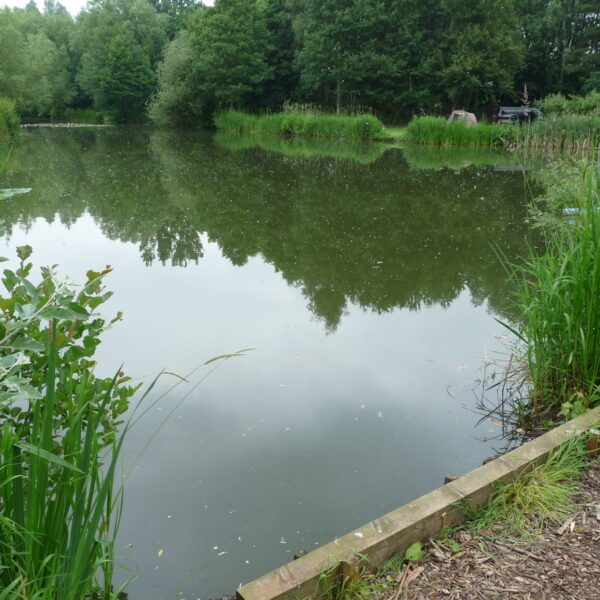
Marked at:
<point>416,521</point>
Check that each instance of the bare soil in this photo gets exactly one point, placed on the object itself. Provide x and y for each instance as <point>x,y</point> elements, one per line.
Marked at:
<point>561,563</point>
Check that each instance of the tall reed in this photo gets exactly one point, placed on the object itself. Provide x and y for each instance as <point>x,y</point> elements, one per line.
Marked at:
<point>57,488</point>
<point>558,300</point>
<point>291,123</point>
<point>438,131</point>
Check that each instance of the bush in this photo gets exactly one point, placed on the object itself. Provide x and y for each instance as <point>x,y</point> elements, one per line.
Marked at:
<point>557,104</point>
<point>9,118</point>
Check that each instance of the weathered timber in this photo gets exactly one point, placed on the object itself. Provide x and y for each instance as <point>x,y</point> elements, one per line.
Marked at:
<point>416,521</point>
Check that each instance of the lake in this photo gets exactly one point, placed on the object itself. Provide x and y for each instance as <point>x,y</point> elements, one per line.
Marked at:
<point>366,279</point>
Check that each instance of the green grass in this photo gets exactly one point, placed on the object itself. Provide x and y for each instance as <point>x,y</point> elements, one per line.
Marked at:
<point>567,132</point>
<point>544,493</point>
<point>289,123</point>
<point>438,131</point>
<point>558,302</point>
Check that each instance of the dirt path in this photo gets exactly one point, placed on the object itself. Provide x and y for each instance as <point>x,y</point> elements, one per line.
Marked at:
<point>562,563</point>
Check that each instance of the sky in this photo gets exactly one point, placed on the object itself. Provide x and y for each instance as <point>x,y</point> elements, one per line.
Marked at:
<point>73,6</point>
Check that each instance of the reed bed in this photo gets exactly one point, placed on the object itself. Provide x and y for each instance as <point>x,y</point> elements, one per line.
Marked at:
<point>558,302</point>
<point>567,132</point>
<point>290,123</point>
<point>438,131</point>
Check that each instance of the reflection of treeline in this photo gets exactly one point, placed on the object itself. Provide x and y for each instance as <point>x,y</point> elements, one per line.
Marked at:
<point>303,147</point>
<point>380,235</point>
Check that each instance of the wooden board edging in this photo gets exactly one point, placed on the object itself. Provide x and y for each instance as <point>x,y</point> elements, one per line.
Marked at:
<point>416,521</point>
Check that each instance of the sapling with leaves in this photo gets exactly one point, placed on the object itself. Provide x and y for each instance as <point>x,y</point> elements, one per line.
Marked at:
<point>26,311</point>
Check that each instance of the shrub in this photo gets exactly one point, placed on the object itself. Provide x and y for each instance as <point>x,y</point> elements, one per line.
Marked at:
<point>9,118</point>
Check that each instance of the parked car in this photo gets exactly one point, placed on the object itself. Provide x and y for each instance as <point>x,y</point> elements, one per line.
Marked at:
<point>517,114</point>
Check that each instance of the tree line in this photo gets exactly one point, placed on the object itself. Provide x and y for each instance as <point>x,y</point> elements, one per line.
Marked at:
<point>179,61</point>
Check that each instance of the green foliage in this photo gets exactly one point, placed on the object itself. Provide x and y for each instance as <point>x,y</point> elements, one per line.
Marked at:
<point>541,494</point>
<point>26,312</point>
<point>9,118</point>
<point>118,43</point>
<point>177,101</point>
<point>558,300</point>
<point>59,447</point>
<point>83,115</point>
<point>558,104</point>
<point>34,63</point>
<point>414,552</point>
<point>436,130</point>
<point>481,52</point>
<point>290,123</point>
<point>572,132</point>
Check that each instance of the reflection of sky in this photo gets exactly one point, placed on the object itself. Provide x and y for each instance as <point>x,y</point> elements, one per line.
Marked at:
<point>304,438</point>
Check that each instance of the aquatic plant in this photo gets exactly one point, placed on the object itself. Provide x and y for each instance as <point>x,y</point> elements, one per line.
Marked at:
<point>307,123</point>
<point>437,130</point>
<point>558,302</point>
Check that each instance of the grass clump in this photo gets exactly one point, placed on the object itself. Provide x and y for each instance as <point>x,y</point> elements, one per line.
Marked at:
<point>290,123</point>
<point>9,118</point>
<point>563,132</point>
<point>544,493</point>
<point>84,115</point>
<point>558,302</point>
<point>438,131</point>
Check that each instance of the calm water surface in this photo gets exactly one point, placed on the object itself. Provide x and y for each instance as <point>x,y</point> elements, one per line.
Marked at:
<point>366,281</point>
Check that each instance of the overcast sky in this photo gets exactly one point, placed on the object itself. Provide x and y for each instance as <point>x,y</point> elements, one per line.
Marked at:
<point>73,6</point>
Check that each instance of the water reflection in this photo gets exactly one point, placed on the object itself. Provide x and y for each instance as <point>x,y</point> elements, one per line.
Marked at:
<point>322,427</point>
<point>381,235</point>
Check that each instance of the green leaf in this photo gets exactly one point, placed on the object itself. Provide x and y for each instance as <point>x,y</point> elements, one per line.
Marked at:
<point>227,356</point>
<point>414,552</point>
<point>27,343</point>
<point>24,252</point>
<point>57,460</point>
<point>56,312</point>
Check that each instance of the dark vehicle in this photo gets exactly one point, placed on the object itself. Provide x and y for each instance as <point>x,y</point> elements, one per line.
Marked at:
<point>516,114</point>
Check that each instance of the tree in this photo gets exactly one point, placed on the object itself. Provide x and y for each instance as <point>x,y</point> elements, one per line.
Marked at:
<point>230,68</point>
<point>111,37</point>
<point>482,52</point>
